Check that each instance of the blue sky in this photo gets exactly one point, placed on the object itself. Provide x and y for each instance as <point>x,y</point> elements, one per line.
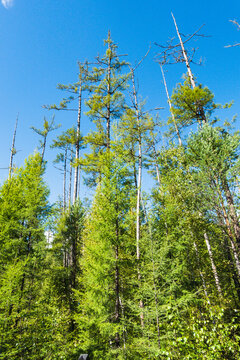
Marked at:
<point>42,40</point>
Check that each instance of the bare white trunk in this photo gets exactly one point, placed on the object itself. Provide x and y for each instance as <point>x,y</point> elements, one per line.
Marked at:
<point>64,179</point>
<point>201,117</point>
<point>139,189</point>
<point>76,173</point>
<point>70,183</point>
<point>170,106</point>
<point>214,269</point>
<point>13,150</point>
<point>185,55</point>
<point>109,93</point>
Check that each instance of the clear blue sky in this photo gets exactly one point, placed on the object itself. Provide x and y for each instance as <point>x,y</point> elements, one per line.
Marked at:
<point>42,40</point>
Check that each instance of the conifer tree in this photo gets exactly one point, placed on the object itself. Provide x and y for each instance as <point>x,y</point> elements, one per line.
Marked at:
<point>106,103</point>
<point>23,211</point>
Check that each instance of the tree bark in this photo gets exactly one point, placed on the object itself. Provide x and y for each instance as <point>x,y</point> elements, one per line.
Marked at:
<point>109,93</point>
<point>76,173</point>
<point>190,74</point>
<point>170,106</point>
<point>64,179</point>
<point>214,269</point>
<point>139,189</point>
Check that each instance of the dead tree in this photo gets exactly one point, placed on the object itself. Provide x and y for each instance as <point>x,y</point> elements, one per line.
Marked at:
<point>170,107</point>
<point>13,149</point>
<point>175,52</point>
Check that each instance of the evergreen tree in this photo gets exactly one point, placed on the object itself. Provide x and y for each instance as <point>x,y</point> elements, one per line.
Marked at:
<point>23,212</point>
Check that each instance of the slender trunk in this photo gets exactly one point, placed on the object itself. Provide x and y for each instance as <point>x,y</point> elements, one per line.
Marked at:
<point>13,150</point>
<point>64,179</point>
<point>232,211</point>
<point>43,148</point>
<point>214,269</point>
<point>202,117</point>
<point>170,106</point>
<point>79,182</point>
<point>70,182</point>
<point>185,55</point>
<point>229,229</point>
<point>139,189</point>
<point>232,268</point>
<point>109,93</point>
<point>117,282</point>
<point>155,162</point>
<point>76,173</point>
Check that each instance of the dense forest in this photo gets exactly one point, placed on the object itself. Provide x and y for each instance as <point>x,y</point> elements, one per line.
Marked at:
<point>129,274</point>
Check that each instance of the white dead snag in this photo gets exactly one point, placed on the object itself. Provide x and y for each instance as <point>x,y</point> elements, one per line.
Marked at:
<point>76,173</point>
<point>139,187</point>
<point>70,181</point>
<point>214,269</point>
<point>190,74</point>
<point>170,106</point>
<point>13,149</point>
<point>185,55</point>
<point>64,179</point>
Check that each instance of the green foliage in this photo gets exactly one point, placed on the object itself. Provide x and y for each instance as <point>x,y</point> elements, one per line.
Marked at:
<point>137,276</point>
<point>23,211</point>
<point>189,105</point>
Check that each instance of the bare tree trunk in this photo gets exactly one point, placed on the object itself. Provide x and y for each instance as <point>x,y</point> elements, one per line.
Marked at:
<point>76,173</point>
<point>202,114</point>
<point>170,106</point>
<point>70,183</point>
<point>232,211</point>
<point>13,150</point>
<point>233,273</point>
<point>214,269</point>
<point>139,189</point>
<point>64,179</point>
<point>79,181</point>
<point>229,229</point>
<point>185,55</point>
<point>109,93</point>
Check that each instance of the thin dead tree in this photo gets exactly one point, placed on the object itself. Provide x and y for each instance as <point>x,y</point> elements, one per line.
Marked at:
<point>139,183</point>
<point>13,149</point>
<point>170,107</point>
<point>83,72</point>
<point>173,53</point>
<point>137,110</point>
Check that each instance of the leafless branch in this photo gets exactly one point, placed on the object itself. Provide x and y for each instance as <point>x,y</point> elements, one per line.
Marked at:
<point>236,23</point>
<point>172,52</point>
<point>141,60</point>
<point>238,28</point>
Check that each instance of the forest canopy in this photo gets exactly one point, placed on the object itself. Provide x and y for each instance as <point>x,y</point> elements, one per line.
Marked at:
<point>128,273</point>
